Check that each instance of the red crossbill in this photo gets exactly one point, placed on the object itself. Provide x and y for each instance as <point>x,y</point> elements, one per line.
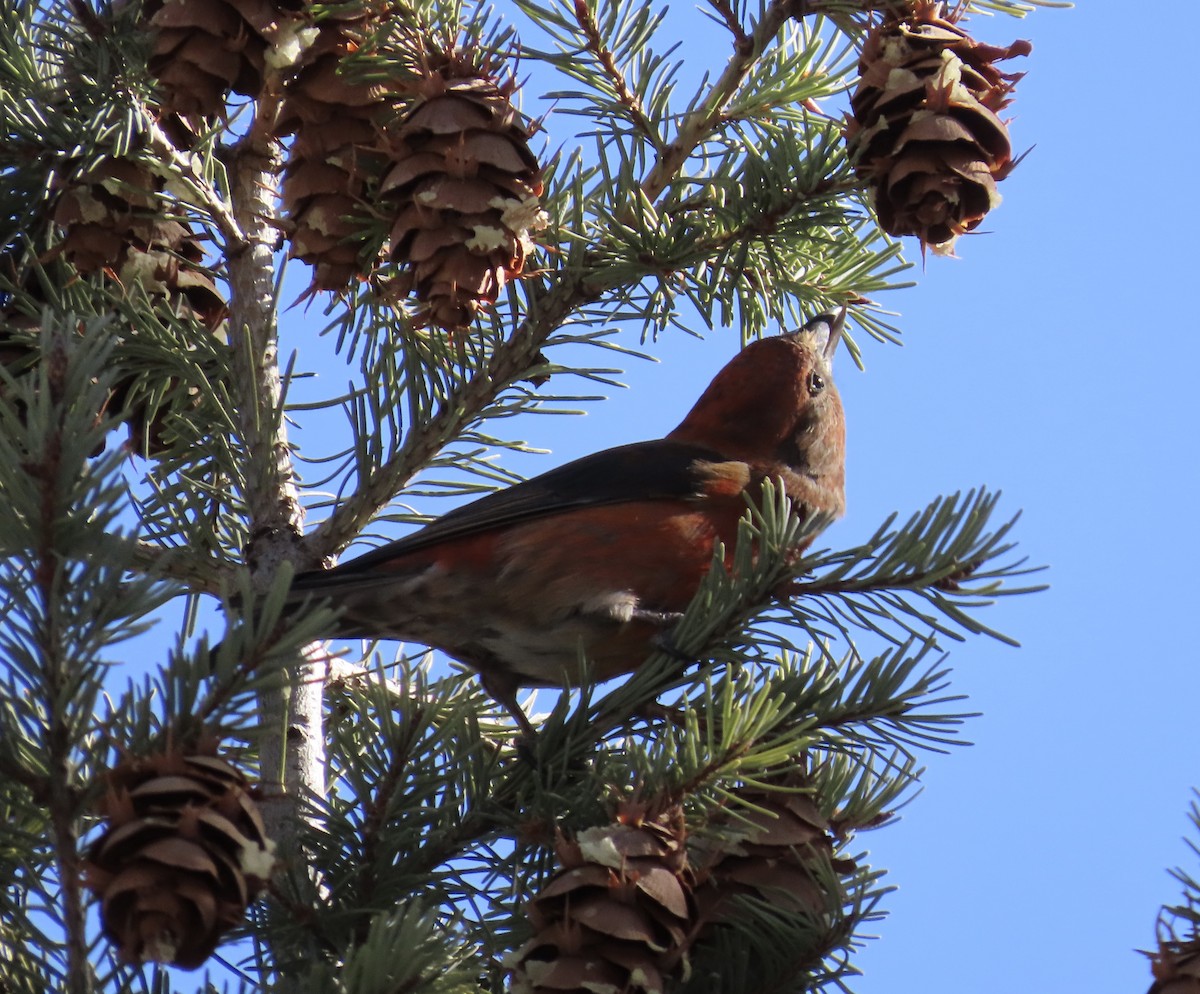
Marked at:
<point>601,556</point>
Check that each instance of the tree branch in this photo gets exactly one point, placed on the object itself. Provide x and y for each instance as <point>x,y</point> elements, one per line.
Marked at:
<point>508,363</point>
<point>57,679</point>
<point>185,172</point>
<point>272,499</point>
<point>201,575</point>
<point>703,121</point>
<point>730,19</point>
<point>604,56</point>
<point>293,743</point>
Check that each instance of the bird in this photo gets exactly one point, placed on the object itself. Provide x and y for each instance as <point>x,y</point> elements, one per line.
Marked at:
<point>599,558</point>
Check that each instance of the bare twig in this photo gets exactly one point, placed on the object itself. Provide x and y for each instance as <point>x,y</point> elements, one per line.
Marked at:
<point>293,744</point>
<point>202,575</point>
<point>725,9</point>
<point>341,672</point>
<point>271,495</point>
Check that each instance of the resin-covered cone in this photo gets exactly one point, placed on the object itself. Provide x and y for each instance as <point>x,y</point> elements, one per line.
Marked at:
<point>924,128</point>
<point>115,219</point>
<point>464,189</point>
<point>183,854</point>
<point>616,915</point>
<point>1176,969</point>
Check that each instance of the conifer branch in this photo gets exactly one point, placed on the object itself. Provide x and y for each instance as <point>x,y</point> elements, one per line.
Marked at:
<point>272,500</point>
<point>66,599</point>
<point>628,99</point>
<point>293,755</point>
<point>47,573</point>
<point>839,10</point>
<point>208,576</point>
<point>741,202</point>
<point>184,170</point>
<point>1175,963</point>
<point>700,123</point>
<point>729,18</point>
<point>507,364</point>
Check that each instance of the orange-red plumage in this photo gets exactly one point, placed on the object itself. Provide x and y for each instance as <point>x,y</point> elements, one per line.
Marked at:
<point>602,555</point>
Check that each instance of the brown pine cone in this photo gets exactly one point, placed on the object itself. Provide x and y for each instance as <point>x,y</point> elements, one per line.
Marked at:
<point>204,49</point>
<point>465,191</point>
<point>924,130</point>
<point>615,917</point>
<point>338,153</point>
<point>183,855</point>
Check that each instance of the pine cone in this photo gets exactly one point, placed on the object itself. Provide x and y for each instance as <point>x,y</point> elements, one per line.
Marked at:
<point>1176,969</point>
<point>113,222</point>
<point>779,853</point>
<point>184,854</point>
<point>615,917</point>
<point>108,210</point>
<point>924,129</point>
<point>338,151</point>
<point>203,49</point>
<point>20,351</point>
<point>464,189</point>
<point>22,298</point>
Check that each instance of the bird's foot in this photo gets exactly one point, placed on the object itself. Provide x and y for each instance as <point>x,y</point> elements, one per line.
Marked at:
<point>663,619</point>
<point>503,690</point>
<point>662,641</point>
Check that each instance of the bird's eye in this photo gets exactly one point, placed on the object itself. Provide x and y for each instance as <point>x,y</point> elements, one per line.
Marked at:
<point>816,383</point>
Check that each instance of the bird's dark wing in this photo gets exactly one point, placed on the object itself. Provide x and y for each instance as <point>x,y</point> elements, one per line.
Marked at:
<point>654,470</point>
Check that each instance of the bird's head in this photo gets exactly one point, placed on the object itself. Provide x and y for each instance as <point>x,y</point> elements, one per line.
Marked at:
<point>776,402</point>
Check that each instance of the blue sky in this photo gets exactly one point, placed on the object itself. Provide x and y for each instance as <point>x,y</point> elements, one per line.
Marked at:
<point>1056,360</point>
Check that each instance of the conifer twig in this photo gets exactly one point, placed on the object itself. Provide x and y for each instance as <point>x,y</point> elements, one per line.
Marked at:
<point>184,172</point>
<point>701,122</point>
<point>293,753</point>
<point>730,19</point>
<point>47,575</point>
<point>201,575</point>
<point>507,364</point>
<point>629,99</point>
